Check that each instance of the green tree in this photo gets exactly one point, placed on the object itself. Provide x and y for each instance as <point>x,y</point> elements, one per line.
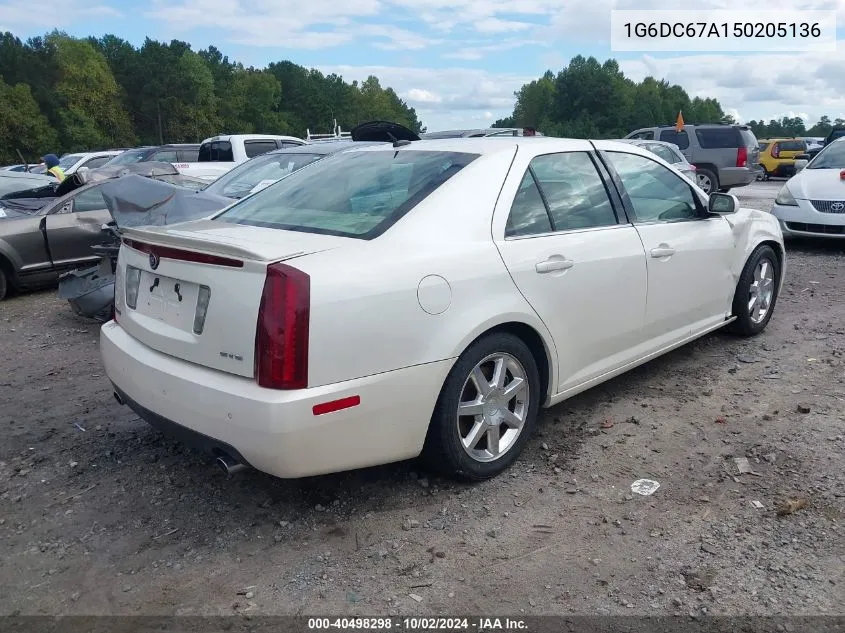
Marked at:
<point>89,101</point>
<point>22,126</point>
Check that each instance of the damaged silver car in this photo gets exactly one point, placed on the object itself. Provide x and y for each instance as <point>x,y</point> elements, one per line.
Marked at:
<point>43,236</point>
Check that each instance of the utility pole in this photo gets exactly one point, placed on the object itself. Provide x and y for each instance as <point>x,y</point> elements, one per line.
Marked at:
<point>158,113</point>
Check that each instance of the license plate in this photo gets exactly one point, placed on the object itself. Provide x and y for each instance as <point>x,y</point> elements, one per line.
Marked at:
<point>172,301</point>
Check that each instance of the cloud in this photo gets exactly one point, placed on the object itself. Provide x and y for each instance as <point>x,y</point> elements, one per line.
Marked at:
<point>21,14</point>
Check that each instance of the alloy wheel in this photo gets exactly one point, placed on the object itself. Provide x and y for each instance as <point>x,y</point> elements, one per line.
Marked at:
<point>493,407</point>
<point>762,290</point>
<point>704,182</point>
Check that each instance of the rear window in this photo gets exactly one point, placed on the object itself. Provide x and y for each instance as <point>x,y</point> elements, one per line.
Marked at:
<point>256,148</point>
<point>718,137</point>
<point>792,146</point>
<point>130,157</point>
<point>748,137</point>
<point>68,161</point>
<point>259,172</point>
<point>837,134</point>
<point>188,155</point>
<point>676,138</point>
<point>369,192</point>
<point>216,151</point>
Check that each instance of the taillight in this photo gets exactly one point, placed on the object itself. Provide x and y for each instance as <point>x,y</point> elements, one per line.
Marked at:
<point>133,281</point>
<point>776,151</point>
<point>281,339</point>
<point>742,157</point>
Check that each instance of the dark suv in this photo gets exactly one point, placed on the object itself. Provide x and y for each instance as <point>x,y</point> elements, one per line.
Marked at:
<point>725,156</point>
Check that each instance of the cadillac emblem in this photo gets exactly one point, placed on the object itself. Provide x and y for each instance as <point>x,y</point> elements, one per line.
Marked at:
<point>154,260</point>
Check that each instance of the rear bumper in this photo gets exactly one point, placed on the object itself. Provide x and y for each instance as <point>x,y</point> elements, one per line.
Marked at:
<point>737,176</point>
<point>275,431</point>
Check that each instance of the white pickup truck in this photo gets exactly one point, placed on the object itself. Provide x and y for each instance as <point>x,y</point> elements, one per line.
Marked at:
<point>219,154</point>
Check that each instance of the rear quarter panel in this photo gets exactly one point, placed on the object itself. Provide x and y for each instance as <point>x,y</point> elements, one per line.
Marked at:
<point>366,314</point>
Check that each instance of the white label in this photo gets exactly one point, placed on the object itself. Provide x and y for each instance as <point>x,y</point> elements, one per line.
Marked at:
<point>712,31</point>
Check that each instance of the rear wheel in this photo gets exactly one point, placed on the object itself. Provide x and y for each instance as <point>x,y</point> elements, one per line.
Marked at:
<point>486,409</point>
<point>756,292</point>
<point>707,180</point>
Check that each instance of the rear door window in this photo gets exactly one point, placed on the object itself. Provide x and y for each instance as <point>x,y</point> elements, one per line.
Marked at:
<point>216,151</point>
<point>256,148</point>
<point>528,215</point>
<point>718,137</point>
<point>676,138</point>
<point>369,192</point>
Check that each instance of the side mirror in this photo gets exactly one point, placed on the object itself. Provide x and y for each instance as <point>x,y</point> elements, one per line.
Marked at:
<point>803,157</point>
<point>800,163</point>
<point>722,204</point>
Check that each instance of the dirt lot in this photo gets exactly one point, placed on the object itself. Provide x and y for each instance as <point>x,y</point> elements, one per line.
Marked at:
<point>100,514</point>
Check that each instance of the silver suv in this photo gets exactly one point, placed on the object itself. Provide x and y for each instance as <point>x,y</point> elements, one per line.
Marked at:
<point>725,156</point>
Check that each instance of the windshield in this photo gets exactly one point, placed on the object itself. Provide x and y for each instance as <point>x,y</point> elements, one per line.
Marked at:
<point>831,157</point>
<point>130,157</point>
<point>352,194</point>
<point>68,161</point>
<point>259,172</point>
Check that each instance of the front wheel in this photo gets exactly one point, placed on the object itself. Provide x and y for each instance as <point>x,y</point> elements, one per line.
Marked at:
<point>486,410</point>
<point>756,292</point>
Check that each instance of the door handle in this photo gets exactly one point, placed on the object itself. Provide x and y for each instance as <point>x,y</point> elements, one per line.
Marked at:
<point>553,265</point>
<point>662,251</point>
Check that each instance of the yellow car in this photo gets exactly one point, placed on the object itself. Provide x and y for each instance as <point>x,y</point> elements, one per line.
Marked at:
<point>777,156</point>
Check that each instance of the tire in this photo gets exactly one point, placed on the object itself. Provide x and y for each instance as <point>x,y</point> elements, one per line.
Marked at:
<point>751,320</point>
<point>704,175</point>
<point>444,449</point>
<point>4,284</point>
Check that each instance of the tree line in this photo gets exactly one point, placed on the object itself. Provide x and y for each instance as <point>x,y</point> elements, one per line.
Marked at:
<point>589,99</point>
<point>64,94</point>
<point>789,127</point>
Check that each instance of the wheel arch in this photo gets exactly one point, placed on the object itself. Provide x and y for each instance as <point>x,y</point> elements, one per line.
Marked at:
<point>538,340</point>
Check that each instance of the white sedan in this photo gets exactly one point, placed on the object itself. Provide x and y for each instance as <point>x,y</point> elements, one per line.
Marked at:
<point>426,298</point>
<point>812,203</point>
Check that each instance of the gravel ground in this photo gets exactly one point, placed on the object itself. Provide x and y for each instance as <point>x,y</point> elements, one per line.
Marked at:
<point>99,514</point>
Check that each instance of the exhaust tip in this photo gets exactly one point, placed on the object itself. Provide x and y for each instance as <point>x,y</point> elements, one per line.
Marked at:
<point>229,465</point>
<point>118,398</point>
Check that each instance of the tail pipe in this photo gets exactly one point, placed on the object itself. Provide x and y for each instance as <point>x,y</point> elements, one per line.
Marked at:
<point>118,398</point>
<point>229,465</point>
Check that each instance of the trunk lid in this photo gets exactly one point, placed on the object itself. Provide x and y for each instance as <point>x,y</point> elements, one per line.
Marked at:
<point>178,269</point>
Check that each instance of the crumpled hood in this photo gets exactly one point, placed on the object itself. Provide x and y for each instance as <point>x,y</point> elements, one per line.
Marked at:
<point>139,201</point>
<point>817,184</point>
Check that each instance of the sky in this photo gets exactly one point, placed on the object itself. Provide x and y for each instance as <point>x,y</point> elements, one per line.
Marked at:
<point>458,62</point>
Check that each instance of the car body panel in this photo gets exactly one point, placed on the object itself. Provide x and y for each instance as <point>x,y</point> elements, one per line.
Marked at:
<point>438,278</point>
